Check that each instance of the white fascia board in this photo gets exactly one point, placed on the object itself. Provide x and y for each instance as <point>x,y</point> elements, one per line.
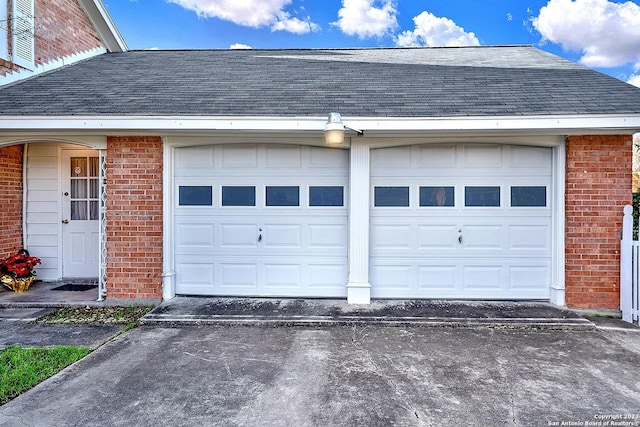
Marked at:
<point>566,125</point>
<point>104,25</point>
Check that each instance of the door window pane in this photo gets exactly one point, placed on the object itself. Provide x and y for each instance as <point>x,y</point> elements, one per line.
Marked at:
<point>239,196</point>
<point>78,189</point>
<point>78,167</point>
<point>93,188</point>
<point>78,210</point>
<point>326,196</point>
<point>529,196</point>
<point>195,195</point>
<point>93,167</point>
<point>283,196</point>
<point>93,210</point>
<point>391,196</point>
<point>437,196</point>
<point>482,196</point>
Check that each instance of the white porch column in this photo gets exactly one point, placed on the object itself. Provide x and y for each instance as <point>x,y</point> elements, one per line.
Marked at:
<point>359,288</point>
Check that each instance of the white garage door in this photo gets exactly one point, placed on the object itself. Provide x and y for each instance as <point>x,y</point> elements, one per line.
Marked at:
<point>261,220</point>
<point>467,221</point>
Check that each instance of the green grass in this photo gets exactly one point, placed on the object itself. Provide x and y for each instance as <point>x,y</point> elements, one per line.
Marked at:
<point>23,368</point>
<point>87,315</point>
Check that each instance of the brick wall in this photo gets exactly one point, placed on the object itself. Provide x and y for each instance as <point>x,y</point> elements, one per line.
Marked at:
<point>62,29</point>
<point>598,185</point>
<point>134,217</point>
<point>11,199</point>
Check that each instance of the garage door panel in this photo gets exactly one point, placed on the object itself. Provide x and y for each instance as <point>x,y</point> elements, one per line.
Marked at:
<point>529,277</point>
<point>487,277</point>
<point>235,275</point>
<point>196,277</point>
<point>328,236</point>
<point>238,236</point>
<point>526,158</point>
<point>437,277</point>
<point>462,251</point>
<point>389,236</point>
<point>481,156</point>
<point>238,156</point>
<point>529,237</point>
<point>326,275</point>
<point>436,157</point>
<point>282,236</point>
<point>195,237</point>
<point>482,237</point>
<point>332,159</point>
<point>437,237</point>
<point>259,250</point>
<point>391,279</point>
<point>280,275</point>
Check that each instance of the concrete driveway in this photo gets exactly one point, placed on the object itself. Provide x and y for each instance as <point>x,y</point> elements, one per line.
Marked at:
<point>341,376</point>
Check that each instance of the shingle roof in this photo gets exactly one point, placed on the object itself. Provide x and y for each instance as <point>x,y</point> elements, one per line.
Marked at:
<point>412,82</point>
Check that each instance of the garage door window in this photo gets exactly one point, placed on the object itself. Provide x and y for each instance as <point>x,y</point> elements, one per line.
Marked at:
<point>437,196</point>
<point>482,196</point>
<point>283,196</point>
<point>529,196</point>
<point>196,195</point>
<point>326,196</point>
<point>391,196</point>
<point>238,196</point>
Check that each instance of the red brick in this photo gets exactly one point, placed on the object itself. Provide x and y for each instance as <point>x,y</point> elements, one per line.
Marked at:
<point>134,220</point>
<point>594,202</point>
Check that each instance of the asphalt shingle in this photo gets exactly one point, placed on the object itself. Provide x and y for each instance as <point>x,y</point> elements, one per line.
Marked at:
<point>414,82</point>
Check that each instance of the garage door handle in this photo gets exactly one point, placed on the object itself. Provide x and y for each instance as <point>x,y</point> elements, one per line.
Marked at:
<point>460,238</point>
<point>259,237</point>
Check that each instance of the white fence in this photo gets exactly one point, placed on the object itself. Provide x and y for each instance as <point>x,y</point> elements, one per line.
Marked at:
<point>629,270</point>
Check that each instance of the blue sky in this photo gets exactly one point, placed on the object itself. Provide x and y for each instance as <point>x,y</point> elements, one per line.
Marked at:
<point>600,34</point>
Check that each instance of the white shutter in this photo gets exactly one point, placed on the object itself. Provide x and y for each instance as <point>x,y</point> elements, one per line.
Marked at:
<point>23,31</point>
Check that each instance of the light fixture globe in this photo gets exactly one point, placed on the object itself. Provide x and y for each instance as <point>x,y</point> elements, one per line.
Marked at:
<point>334,130</point>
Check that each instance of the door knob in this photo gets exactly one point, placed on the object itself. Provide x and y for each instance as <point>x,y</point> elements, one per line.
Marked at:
<point>65,221</point>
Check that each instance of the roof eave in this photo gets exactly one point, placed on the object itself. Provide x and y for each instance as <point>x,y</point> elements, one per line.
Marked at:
<point>104,25</point>
<point>371,126</point>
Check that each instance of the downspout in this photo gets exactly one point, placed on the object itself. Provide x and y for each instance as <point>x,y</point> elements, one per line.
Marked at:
<point>25,152</point>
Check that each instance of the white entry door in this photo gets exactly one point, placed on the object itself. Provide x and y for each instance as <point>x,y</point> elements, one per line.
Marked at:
<point>261,220</point>
<point>80,213</point>
<point>461,221</point>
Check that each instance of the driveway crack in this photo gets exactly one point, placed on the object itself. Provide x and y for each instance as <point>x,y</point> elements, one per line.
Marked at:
<point>404,402</point>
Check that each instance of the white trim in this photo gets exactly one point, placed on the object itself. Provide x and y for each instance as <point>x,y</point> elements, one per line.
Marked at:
<point>94,142</point>
<point>558,213</point>
<point>358,286</point>
<point>104,25</point>
<point>432,126</point>
<point>168,229</point>
<point>25,169</point>
<point>52,65</point>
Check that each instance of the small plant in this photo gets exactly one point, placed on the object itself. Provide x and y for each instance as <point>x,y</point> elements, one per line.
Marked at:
<point>19,265</point>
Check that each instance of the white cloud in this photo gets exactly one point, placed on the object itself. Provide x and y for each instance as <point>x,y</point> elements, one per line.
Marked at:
<point>634,80</point>
<point>250,13</point>
<point>607,33</point>
<point>367,18</point>
<point>509,17</point>
<point>240,46</point>
<point>436,31</point>
<point>294,25</point>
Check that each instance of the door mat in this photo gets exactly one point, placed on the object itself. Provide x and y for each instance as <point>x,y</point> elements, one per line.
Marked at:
<point>75,287</point>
